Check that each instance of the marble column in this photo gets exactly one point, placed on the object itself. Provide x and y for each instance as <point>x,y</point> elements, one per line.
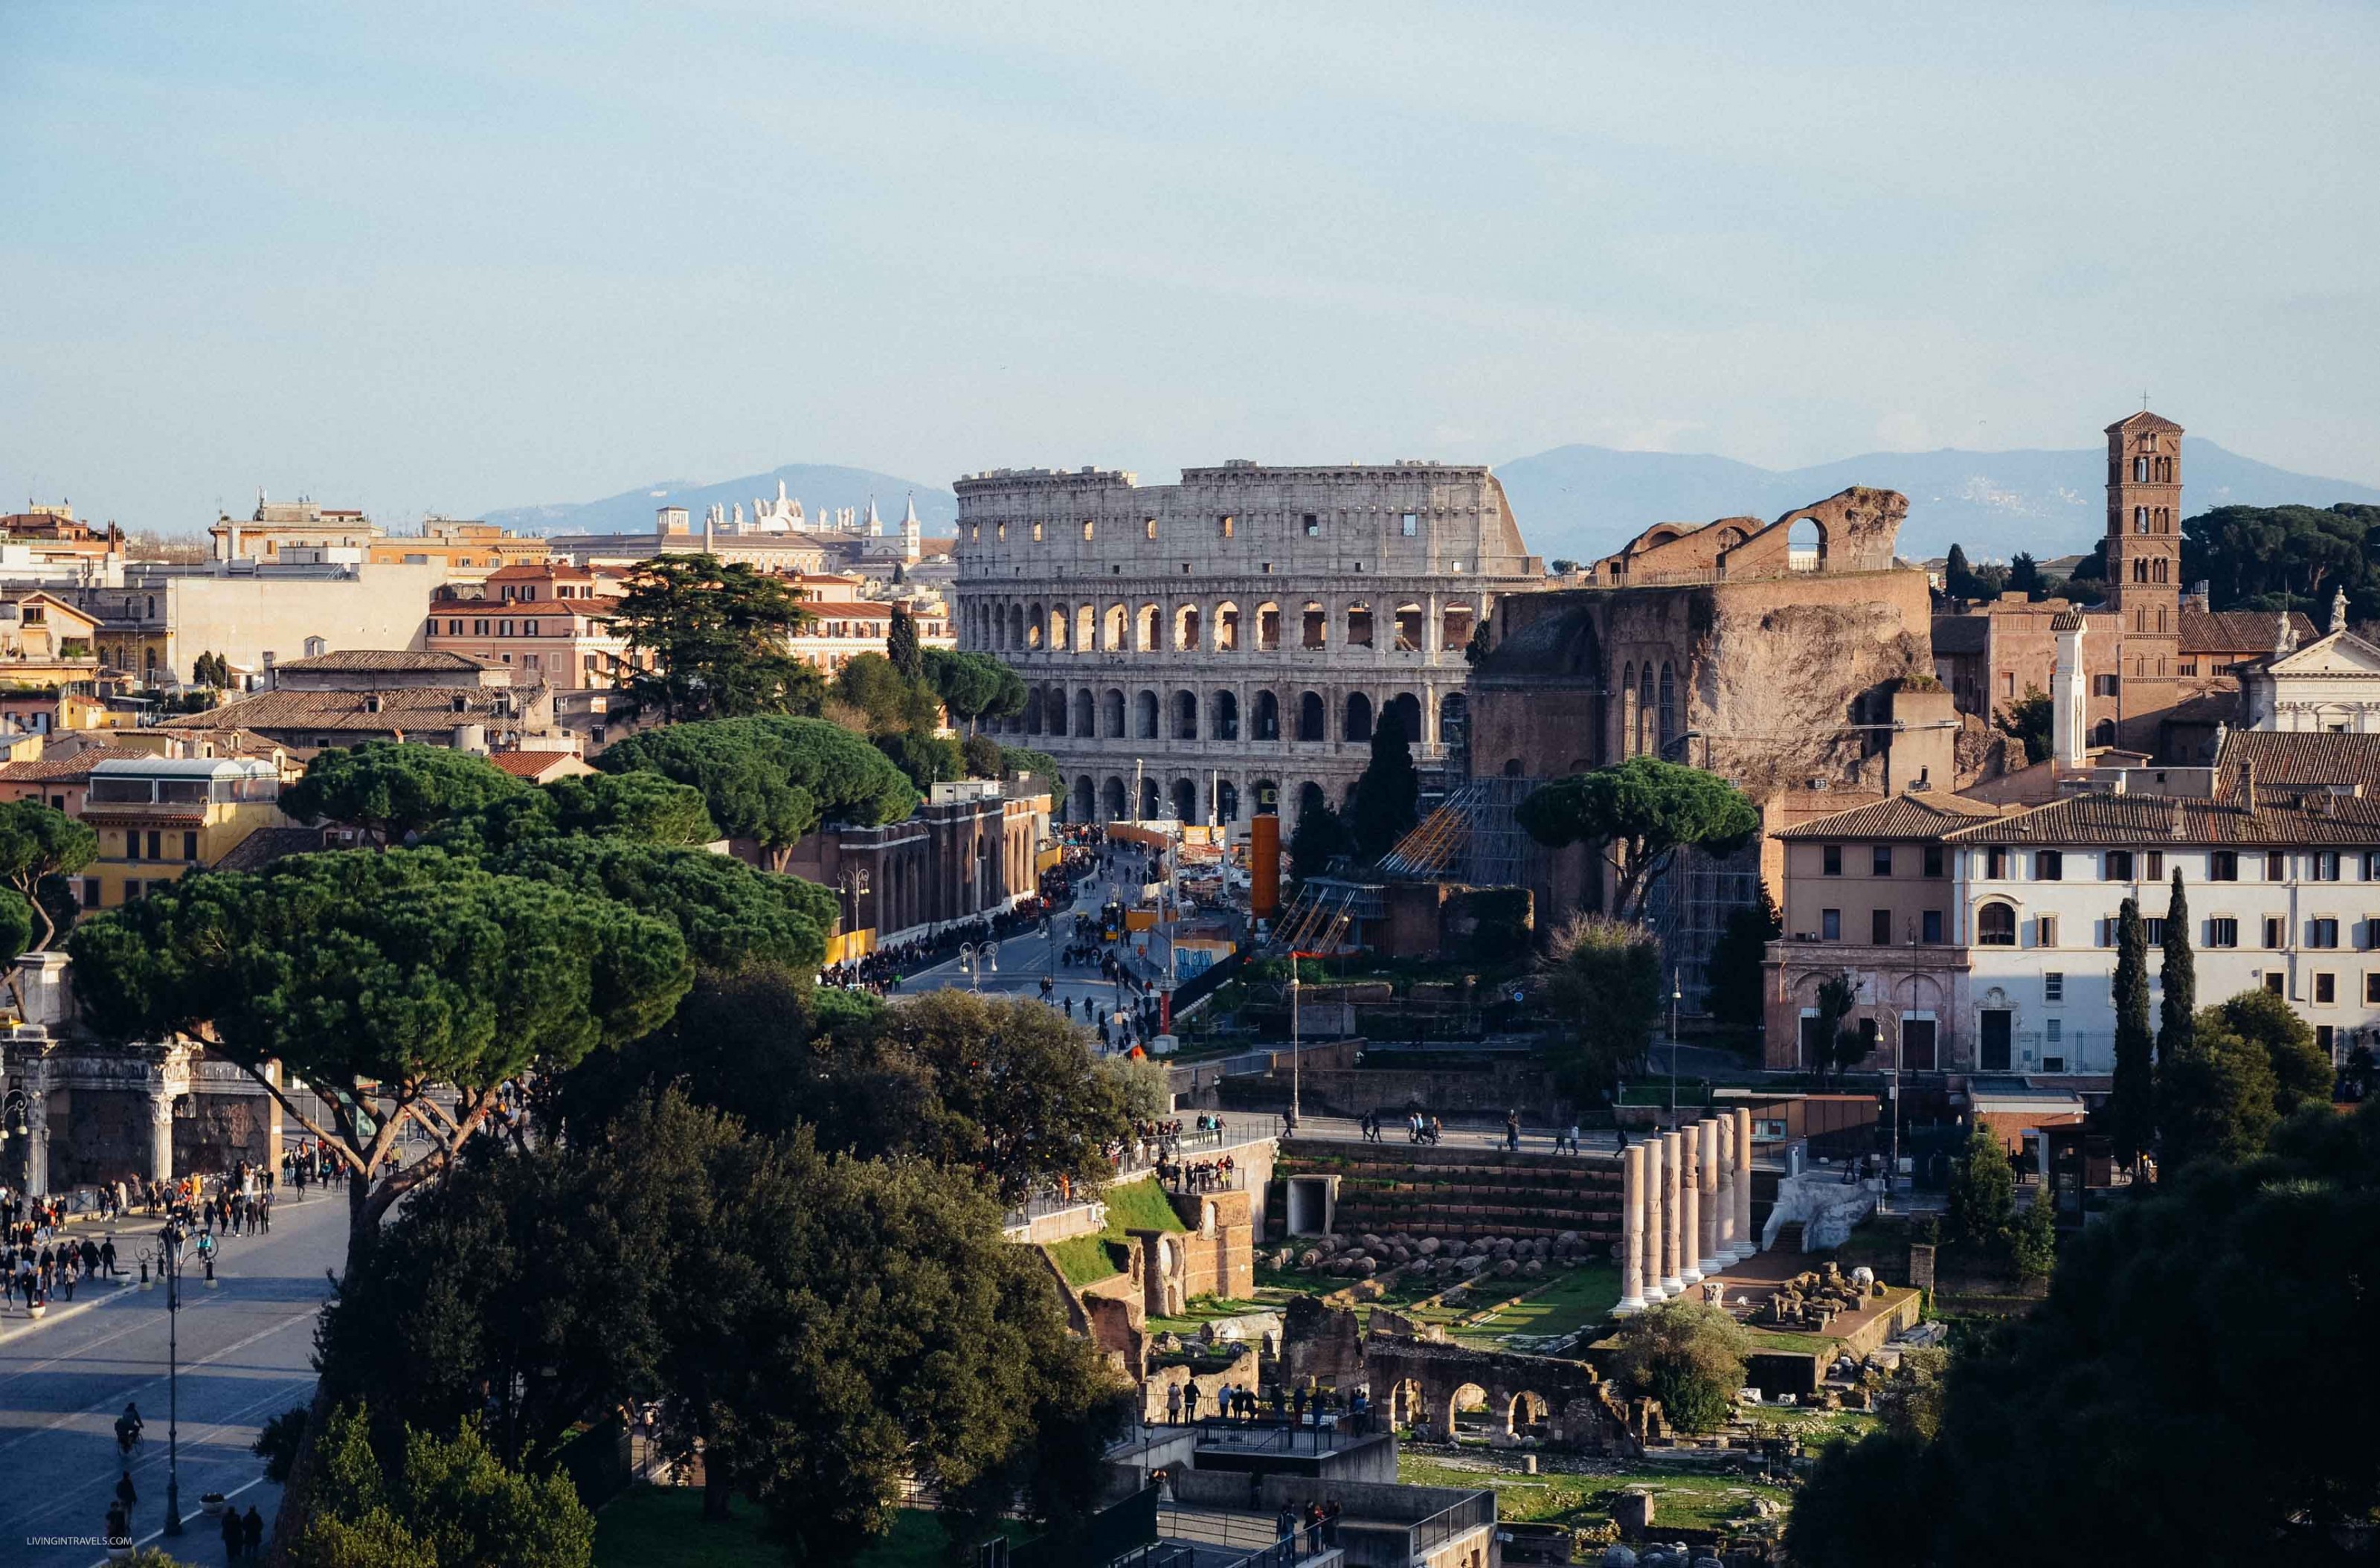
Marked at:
<point>1690,1209</point>
<point>1631,1230</point>
<point>161,1136</point>
<point>1711,1262</point>
<point>1749,1239</point>
<point>1672,1155</point>
<point>1726,1179</point>
<point>1651,1244</point>
<point>37,1144</point>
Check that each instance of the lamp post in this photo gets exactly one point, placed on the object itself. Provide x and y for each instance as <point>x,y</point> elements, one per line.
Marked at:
<point>1677,995</point>
<point>975,957</point>
<point>854,884</point>
<point>167,1257</point>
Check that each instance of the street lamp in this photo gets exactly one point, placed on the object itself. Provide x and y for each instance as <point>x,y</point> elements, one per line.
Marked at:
<point>975,957</point>
<point>166,1255</point>
<point>1677,995</point>
<point>854,884</point>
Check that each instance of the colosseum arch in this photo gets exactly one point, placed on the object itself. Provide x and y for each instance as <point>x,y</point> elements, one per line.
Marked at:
<point>1112,800</point>
<point>1405,708</point>
<point>1085,628</point>
<point>1112,716</point>
<point>1085,714</point>
<point>1316,629</point>
<point>1310,798</point>
<point>1145,716</point>
<point>1033,712</point>
<point>1152,801</point>
<point>1359,625</point>
<point>1410,634</point>
<point>1227,801</point>
<point>1186,629</point>
<point>1311,724</point>
<point>1224,724</point>
<point>1060,620</point>
<point>1455,623</point>
<point>1145,639</point>
<point>1033,624</point>
<point>1118,624</point>
<point>1185,801</point>
<point>1085,806</point>
<point>1227,627</point>
<point>1265,722</point>
<point>1185,715</point>
<point>1359,717</point>
<point>1017,626</point>
<point>1056,710</point>
<point>1267,628</point>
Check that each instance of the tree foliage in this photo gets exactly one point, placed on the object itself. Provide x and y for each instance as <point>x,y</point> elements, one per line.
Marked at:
<point>770,779</point>
<point>730,915</point>
<point>393,789</point>
<point>1602,978</point>
<point>2185,1394</point>
<point>2029,720</point>
<point>1982,1190</point>
<point>2214,1097</point>
<point>1689,1356</point>
<point>894,703</point>
<point>435,1502</point>
<point>1733,971</point>
<point>2131,1102</point>
<point>901,645</point>
<point>2302,1073</point>
<point>1319,837</point>
<point>640,806</point>
<point>974,686</point>
<point>1642,811</point>
<point>2282,557</point>
<point>714,635</point>
<point>36,843</point>
<point>1388,795</point>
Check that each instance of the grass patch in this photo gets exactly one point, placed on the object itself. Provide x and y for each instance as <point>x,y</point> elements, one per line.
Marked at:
<point>1693,1499</point>
<point>1205,1309</point>
<point>1085,1260</point>
<point>1139,1206</point>
<point>1573,1300</point>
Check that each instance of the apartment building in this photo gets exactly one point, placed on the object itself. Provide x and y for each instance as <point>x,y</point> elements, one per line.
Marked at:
<point>549,620</point>
<point>160,818</point>
<point>466,548</point>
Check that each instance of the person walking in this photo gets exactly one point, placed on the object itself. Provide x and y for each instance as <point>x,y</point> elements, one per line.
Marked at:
<point>233,1538</point>
<point>1174,1406</point>
<point>252,1530</point>
<point>127,1498</point>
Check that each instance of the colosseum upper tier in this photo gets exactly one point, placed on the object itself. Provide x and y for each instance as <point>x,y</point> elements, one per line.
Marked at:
<point>1226,645</point>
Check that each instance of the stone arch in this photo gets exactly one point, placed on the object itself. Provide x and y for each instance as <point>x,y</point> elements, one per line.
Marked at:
<point>1085,806</point>
<point>1033,710</point>
<point>1145,634</point>
<point>1313,631</point>
<point>1062,622</point>
<point>1033,622</point>
<point>1265,721</point>
<point>1185,801</point>
<point>1186,628</point>
<point>1359,625</point>
<point>1145,716</point>
<point>1628,709</point>
<point>1224,722</point>
<point>1227,627</point>
<point>1311,723</point>
<point>1152,804</point>
<point>1118,623</point>
<point>1111,803</point>
<point>1455,623</point>
<point>1017,626</point>
<point>1995,924</point>
<point>1085,628</point>
<point>1359,717</point>
<point>1112,716</point>
<point>1185,715</point>
<point>1460,1398</point>
<point>1669,708</point>
<point>1085,714</point>
<point>1454,717</point>
<point>1411,635</point>
<point>1227,801</point>
<point>1805,545</point>
<point>1647,707</point>
<point>2104,732</point>
<point>1525,1410</point>
<point>1057,710</point>
<point>1405,708</point>
<point>1268,627</point>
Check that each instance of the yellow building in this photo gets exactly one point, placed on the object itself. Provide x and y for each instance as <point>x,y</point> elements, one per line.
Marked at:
<point>468,550</point>
<point>160,817</point>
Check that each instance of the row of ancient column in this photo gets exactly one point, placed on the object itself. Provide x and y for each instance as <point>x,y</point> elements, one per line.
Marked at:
<point>1686,1208</point>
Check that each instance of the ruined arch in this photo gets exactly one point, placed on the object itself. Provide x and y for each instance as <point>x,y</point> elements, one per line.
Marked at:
<point>1359,717</point>
<point>1145,639</point>
<point>1266,720</point>
<point>1112,715</point>
<point>1186,628</point>
<point>1185,715</point>
<point>1112,807</point>
<point>1061,621</point>
<point>1225,723</point>
<point>1185,801</point>
<point>1227,627</point>
<point>1145,716</point>
<point>1085,714</point>
<point>1152,801</point>
<point>1085,806</point>
<point>1310,722</point>
<point>1112,636</point>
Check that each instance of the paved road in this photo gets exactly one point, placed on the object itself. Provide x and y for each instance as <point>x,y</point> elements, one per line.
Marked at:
<point>245,1358</point>
<point>1021,961</point>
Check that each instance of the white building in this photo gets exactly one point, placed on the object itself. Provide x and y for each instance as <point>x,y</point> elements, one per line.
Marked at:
<point>2331,683</point>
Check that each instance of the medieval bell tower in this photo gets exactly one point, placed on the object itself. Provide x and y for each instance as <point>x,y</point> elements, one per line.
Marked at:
<point>2143,548</point>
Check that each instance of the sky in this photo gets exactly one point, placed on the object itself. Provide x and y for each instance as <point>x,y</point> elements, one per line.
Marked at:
<point>451,257</point>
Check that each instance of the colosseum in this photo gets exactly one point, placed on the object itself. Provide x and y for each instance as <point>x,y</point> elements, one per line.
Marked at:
<point>1226,645</point>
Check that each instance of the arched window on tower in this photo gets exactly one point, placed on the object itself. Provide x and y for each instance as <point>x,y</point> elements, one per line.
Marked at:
<point>1645,710</point>
<point>2141,470</point>
<point>1669,710</point>
<point>1628,709</point>
<point>2140,519</point>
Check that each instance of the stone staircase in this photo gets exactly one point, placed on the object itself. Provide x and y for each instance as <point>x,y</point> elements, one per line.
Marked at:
<point>1463,1194</point>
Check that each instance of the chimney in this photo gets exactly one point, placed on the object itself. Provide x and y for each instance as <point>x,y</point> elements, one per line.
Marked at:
<point>2248,785</point>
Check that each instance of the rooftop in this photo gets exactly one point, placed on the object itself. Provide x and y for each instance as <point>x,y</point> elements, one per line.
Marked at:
<point>386,661</point>
<point>2318,818</point>
<point>1898,817</point>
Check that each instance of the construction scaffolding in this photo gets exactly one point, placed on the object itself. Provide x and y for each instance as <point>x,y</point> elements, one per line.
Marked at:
<point>1688,907</point>
<point>1324,916</point>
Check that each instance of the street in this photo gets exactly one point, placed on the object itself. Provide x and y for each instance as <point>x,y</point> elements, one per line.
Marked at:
<point>1021,962</point>
<point>245,1355</point>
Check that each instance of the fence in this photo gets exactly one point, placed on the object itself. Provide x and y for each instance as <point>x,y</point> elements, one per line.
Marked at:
<point>1442,1526</point>
<point>1141,1157</point>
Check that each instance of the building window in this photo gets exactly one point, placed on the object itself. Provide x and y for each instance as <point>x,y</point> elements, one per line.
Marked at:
<point>2223,866</point>
<point>2054,1030</point>
<point>2153,865</point>
<point>2325,865</point>
<point>2045,932</point>
<point>2276,865</point>
<point>1831,925</point>
<point>2325,990</point>
<point>1832,858</point>
<point>2273,932</point>
<point>2119,865</point>
<point>1087,529</point>
<point>1879,927</point>
<point>2371,989</point>
<point>2326,1039</point>
<point>2272,981</point>
<point>1225,527</point>
<point>1933,859</point>
<point>1036,533</point>
<point>2223,931</point>
<point>1881,861</point>
<point>1930,925</point>
<point>2322,933</point>
<point>1995,863</point>
<point>1409,525</point>
<point>190,846</point>
<point>2048,865</point>
<point>2105,685</point>
<point>1313,525</point>
<point>2152,931</point>
<point>1995,925</point>
<point>2053,987</point>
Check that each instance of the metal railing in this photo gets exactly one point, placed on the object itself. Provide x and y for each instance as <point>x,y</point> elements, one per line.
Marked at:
<point>1142,1157</point>
<point>1442,1526</point>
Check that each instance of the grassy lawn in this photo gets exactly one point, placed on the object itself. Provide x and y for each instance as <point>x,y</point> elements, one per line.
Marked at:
<point>1691,1499</point>
<point>1574,1299</point>
<point>663,1527</point>
<point>1203,1310</point>
<point>1132,1206</point>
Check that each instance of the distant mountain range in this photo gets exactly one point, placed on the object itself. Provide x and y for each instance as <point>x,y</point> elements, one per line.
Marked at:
<point>815,485</point>
<point>1584,502</point>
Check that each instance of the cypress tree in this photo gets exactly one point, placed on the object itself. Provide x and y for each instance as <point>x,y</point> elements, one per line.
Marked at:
<point>2174,1031</point>
<point>901,646</point>
<point>2132,1106</point>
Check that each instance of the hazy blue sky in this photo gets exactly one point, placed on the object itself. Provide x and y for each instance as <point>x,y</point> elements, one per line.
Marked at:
<point>460,256</point>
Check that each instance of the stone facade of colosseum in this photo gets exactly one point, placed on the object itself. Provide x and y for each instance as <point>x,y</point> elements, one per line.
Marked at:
<point>1226,645</point>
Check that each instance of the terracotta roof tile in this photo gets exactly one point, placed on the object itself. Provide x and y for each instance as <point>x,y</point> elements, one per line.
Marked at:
<point>1899,817</point>
<point>528,765</point>
<point>385,658</point>
<point>2317,818</point>
<point>2242,633</point>
<point>2313,758</point>
<point>73,766</point>
<point>422,708</point>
